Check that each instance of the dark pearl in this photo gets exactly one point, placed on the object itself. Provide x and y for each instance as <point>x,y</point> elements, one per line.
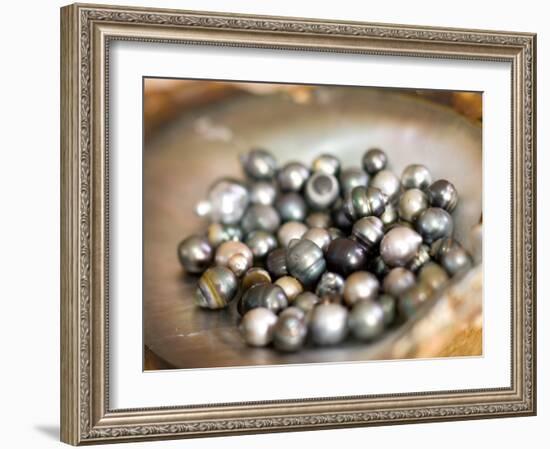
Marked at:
<point>443,194</point>
<point>263,193</point>
<point>433,275</point>
<point>399,246</point>
<point>364,201</point>
<point>276,263</point>
<point>292,177</point>
<point>261,243</point>
<point>255,276</point>
<point>451,255</point>
<point>330,287</point>
<point>412,299</point>
<point>293,311</point>
<point>416,176</point>
<point>351,178</point>
<point>340,219</point>
<point>398,280</point>
<point>368,232</point>
<point>289,333</point>
<point>318,220</point>
<point>260,218</point>
<point>270,296</point>
<point>216,288</point>
<point>291,207</point>
<point>388,183</point>
<point>344,256</point>
<point>389,307</point>
<point>218,233</point>
<point>433,224</point>
<point>227,201</point>
<point>374,160</point>
<point>195,254</point>
<point>305,261</point>
<point>378,267</point>
<point>326,163</point>
<point>360,286</point>
<point>321,191</point>
<point>328,324</point>
<point>366,320</point>
<point>259,164</point>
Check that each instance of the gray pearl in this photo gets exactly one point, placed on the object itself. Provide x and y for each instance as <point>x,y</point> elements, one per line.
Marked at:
<point>374,160</point>
<point>257,326</point>
<point>270,296</point>
<point>319,236</point>
<point>195,254</point>
<point>390,216</point>
<point>399,246</point>
<point>291,286</point>
<point>218,233</point>
<point>412,299</point>
<point>293,311</point>
<point>318,220</point>
<point>292,177</point>
<point>289,231</point>
<point>227,250</point>
<point>344,256</point>
<point>330,287</point>
<point>389,307</point>
<point>289,333</point>
<point>291,207</point>
<point>321,191</point>
<point>366,320</point>
<point>351,178</point>
<point>260,218</point>
<point>255,276</point>
<point>216,288</point>
<point>433,275</point>
<point>306,301</point>
<point>227,201</point>
<point>433,224</point>
<point>328,325</point>
<point>368,232</point>
<point>261,243</point>
<point>388,183</point>
<point>451,255</point>
<point>443,194</point>
<point>263,193</point>
<point>259,164</point>
<point>421,258</point>
<point>305,262</point>
<point>276,263</point>
<point>412,203</point>
<point>397,281</point>
<point>326,163</point>
<point>360,286</point>
<point>416,176</point>
<point>363,202</point>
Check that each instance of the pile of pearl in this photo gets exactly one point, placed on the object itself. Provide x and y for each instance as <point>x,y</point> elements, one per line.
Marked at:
<point>315,255</point>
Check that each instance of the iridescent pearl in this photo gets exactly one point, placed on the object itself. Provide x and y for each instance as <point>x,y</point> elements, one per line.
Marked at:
<point>263,193</point>
<point>255,276</point>
<point>259,164</point>
<point>290,231</point>
<point>227,201</point>
<point>261,243</point>
<point>451,255</point>
<point>291,286</point>
<point>289,333</point>
<point>368,232</point>
<point>412,203</point>
<point>397,281</point>
<point>229,249</point>
<point>318,220</point>
<point>351,178</point>
<point>257,326</point>
<point>326,163</point>
<point>195,254</point>
<point>364,201</point>
<point>330,287</point>
<point>433,275</point>
<point>305,262</point>
<point>443,194</point>
<point>216,288</point>
<point>218,233</point>
<point>291,207</point>
<point>416,176</point>
<point>270,296</point>
<point>366,320</point>
<point>344,256</point>
<point>319,236</point>
<point>321,191</point>
<point>360,286</point>
<point>388,183</point>
<point>292,177</point>
<point>374,160</point>
<point>328,324</point>
<point>399,246</point>
<point>389,307</point>
<point>260,218</point>
<point>276,263</point>
<point>433,224</point>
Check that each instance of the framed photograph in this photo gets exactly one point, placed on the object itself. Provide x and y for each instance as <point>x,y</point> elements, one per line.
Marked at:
<point>279,224</point>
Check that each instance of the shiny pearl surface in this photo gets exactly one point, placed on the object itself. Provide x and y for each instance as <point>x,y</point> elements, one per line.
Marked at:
<point>374,160</point>
<point>388,183</point>
<point>291,286</point>
<point>318,220</point>
<point>330,287</point>
<point>259,164</point>
<point>416,176</point>
<point>368,232</point>
<point>399,246</point>
<point>443,194</point>
<point>260,218</point>
<point>366,320</point>
<point>421,257</point>
<point>351,178</point>
<point>390,215</point>
<point>270,296</point>
<point>306,301</point>
<point>412,299</point>
<point>389,307</point>
<point>290,231</point>
<point>292,177</point>
<point>328,325</point>
<point>291,207</point>
<point>434,223</point>
<point>319,236</point>
<point>360,286</point>
<point>305,262</point>
<point>195,254</point>
<point>257,326</point>
<point>276,263</point>
<point>456,260</point>
<point>364,201</point>
<point>344,256</point>
<point>433,275</point>
<point>228,249</point>
<point>289,333</point>
<point>412,203</point>
<point>398,280</point>
<point>261,243</point>
<point>340,219</point>
<point>326,163</point>
<point>238,264</point>
<point>218,233</point>
<point>321,191</point>
<point>293,311</point>
<point>216,288</point>
<point>263,193</point>
<point>226,203</point>
<point>255,276</point>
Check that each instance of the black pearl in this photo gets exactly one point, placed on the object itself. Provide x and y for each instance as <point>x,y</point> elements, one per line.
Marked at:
<point>217,287</point>
<point>451,255</point>
<point>291,286</point>
<point>389,307</point>
<point>364,201</point>
<point>259,164</point>
<point>291,207</point>
<point>260,218</point>
<point>318,220</point>
<point>263,192</point>
<point>292,177</point>
<point>195,254</point>
<point>351,178</point>
<point>433,224</point>
<point>261,243</point>
<point>326,163</point>
<point>321,191</point>
<point>443,194</point>
<point>270,296</point>
<point>374,160</point>
<point>305,261</point>
<point>378,267</point>
<point>433,275</point>
<point>330,287</point>
<point>344,256</point>
<point>276,263</point>
<point>368,232</point>
<point>340,219</point>
<point>218,233</point>
<point>416,176</point>
<point>366,320</point>
<point>289,334</point>
<point>360,286</point>
<point>412,299</point>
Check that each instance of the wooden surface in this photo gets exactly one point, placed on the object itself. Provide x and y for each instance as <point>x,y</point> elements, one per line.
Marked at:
<point>183,159</point>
